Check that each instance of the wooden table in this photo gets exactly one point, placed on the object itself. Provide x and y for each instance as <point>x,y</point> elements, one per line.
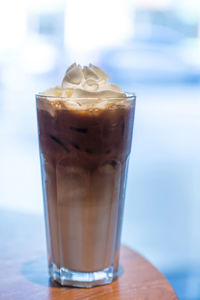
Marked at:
<point>23,269</point>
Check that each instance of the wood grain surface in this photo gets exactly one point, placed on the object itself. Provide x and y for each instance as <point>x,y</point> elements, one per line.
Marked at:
<point>23,269</point>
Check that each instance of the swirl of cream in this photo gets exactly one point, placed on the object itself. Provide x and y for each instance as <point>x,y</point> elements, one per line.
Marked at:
<point>89,81</point>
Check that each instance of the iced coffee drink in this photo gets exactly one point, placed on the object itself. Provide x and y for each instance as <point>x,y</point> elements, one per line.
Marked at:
<point>85,131</point>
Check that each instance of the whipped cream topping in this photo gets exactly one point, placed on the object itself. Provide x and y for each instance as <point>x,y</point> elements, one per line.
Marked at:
<point>85,82</point>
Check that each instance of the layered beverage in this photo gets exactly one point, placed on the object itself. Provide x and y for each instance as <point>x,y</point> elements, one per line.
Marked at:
<point>85,131</point>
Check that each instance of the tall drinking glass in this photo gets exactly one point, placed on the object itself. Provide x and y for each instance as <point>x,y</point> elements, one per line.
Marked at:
<point>84,150</point>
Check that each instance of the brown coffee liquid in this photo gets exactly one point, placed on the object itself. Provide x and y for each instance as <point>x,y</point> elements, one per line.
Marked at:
<point>84,155</point>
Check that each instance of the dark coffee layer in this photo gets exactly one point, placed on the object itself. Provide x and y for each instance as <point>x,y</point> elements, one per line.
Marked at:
<point>88,139</point>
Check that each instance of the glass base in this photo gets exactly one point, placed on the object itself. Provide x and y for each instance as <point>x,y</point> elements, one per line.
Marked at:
<point>66,277</point>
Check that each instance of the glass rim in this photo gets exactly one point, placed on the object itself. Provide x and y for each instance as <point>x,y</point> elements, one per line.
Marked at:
<point>129,96</point>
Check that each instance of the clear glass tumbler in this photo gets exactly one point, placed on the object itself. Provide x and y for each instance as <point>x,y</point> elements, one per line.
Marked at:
<point>84,150</point>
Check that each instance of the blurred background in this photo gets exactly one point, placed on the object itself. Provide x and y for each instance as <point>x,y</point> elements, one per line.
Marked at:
<point>150,47</point>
